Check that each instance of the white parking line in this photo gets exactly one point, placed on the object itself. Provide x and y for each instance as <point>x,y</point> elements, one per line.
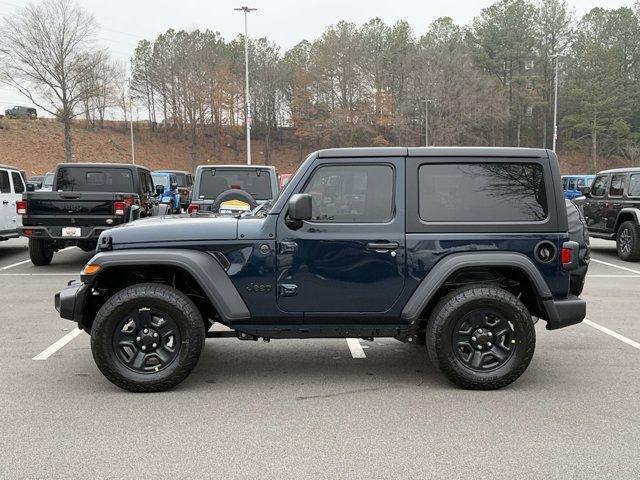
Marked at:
<point>50,274</point>
<point>637,272</point>
<point>26,261</point>
<point>356,348</point>
<point>47,352</point>
<point>602,276</point>
<point>616,335</point>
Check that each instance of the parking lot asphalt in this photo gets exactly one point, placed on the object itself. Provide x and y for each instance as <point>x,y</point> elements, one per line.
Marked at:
<point>317,408</point>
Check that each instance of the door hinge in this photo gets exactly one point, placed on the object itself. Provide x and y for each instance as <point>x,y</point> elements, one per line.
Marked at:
<point>287,248</point>
<point>287,290</point>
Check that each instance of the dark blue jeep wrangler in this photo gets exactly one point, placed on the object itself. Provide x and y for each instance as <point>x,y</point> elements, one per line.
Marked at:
<point>459,248</point>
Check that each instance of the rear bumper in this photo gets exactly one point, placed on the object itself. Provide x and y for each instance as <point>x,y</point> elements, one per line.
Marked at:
<point>55,234</point>
<point>564,312</point>
<point>69,301</point>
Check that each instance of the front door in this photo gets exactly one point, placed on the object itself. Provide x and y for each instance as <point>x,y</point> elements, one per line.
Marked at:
<point>7,202</point>
<point>350,257</point>
<point>594,208</point>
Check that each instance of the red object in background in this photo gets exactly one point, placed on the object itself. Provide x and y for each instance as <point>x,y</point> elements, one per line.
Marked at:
<point>193,208</point>
<point>21,207</point>
<point>118,208</point>
<point>284,179</point>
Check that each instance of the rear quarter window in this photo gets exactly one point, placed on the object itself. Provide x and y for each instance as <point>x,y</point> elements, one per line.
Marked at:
<point>482,192</point>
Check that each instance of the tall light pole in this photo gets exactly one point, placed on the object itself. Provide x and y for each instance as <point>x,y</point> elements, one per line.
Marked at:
<point>133,145</point>
<point>426,121</point>
<point>555,104</point>
<point>246,79</point>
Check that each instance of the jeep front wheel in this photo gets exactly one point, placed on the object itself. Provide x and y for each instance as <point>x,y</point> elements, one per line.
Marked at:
<point>628,242</point>
<point>481,337</point>
<point>147,338</point>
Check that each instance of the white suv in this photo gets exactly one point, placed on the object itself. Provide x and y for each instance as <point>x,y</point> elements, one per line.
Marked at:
<point>12,186</point>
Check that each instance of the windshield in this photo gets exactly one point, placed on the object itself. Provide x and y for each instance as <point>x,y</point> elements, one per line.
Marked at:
<point>91,179</point>
<point>48,180</point>
<point>258,186</point>
<point>160,179</point>
<point>182,179</point>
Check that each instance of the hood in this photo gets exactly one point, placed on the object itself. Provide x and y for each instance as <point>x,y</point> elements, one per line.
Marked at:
<point>174,228</point>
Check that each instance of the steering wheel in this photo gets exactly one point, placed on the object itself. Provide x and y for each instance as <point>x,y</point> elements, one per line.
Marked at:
<point>234,194</point>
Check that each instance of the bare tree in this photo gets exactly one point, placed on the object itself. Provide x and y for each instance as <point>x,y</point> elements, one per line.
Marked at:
<point>46,54</point>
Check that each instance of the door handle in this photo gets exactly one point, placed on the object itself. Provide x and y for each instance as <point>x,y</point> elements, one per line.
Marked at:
<point>5,202</point>
<point>383,246</point>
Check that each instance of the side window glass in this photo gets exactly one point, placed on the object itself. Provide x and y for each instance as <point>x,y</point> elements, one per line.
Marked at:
<point>564,183</point>
<point>572,184</point>
<point>599,186</point>
<point>150,187</point>
<point>18,186</point>
<point>5,187</point>
<point>617,186</point>
<point>580,182</point>
<point>634,185</point>
<point>352,193</point>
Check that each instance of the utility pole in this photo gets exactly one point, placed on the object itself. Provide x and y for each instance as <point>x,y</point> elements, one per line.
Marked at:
<point>247,117</point>
<point>133,145</point>
<point>555,105</point>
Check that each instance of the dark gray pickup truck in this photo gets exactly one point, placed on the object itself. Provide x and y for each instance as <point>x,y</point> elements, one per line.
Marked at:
<point>87,199</point>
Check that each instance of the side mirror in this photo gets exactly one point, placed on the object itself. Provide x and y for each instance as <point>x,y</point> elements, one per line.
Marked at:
<point>586,191</point>
<point>159,189</point>
<point>300,209</point>
<point>31,187</point>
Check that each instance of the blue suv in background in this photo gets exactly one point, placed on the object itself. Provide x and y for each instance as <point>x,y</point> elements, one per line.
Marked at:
<point>171,195</point>
<point>571,185</point>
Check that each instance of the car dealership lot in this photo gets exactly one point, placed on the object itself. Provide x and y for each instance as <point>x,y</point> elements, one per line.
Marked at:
<point>318,408</point>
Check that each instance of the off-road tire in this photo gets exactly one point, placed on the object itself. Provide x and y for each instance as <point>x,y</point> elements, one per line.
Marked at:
<point>183,311</point>
<point>633,231</point>
<point>462,301</point>
<point>40,252</point>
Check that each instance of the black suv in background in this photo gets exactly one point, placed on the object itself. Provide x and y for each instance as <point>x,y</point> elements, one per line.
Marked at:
<point>612,210</point>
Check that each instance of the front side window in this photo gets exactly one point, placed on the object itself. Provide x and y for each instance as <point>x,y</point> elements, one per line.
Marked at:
<point>90,179</point>
<point>18,186</point>
<point>599,186</point>
<point>572,184</point>
<point>617,186</point>
<point>352,193</point>
<point>482,192</point>
<point>5,187</point>
<point>580,183</point>
<point>565,180</point>
<point>634,185</point>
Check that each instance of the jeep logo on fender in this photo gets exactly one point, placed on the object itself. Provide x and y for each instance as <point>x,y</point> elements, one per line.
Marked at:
<point>259,288</point>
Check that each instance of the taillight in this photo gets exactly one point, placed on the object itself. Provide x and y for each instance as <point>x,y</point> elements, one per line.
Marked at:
<point>118,208</point>
<point>193,208</point>
<point>21,207</point>
<point>569,255</point>
<point>566,256</point>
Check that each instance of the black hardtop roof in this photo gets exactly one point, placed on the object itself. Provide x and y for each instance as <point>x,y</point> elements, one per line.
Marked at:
<point>434,152</point>
<point>620,170</point>
<point>101,165</point>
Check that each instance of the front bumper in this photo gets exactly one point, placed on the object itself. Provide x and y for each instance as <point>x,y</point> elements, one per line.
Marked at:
<point>564,312</point>
<point>69,301</point>
<point>54,234</point>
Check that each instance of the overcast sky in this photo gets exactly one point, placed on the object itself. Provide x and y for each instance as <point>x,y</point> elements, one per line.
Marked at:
<point>286,22</point>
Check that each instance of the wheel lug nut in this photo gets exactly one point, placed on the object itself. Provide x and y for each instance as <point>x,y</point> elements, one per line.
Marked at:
<point>155,335</point>
<point>137,339</point>
<point>146,330</point>
<point>479,331</point>
<point>154,345</point>
<point>489,344</point>
<point>479,347</point>
<point>473,338</point>
<point>144,348</point>
<point>490,334</point>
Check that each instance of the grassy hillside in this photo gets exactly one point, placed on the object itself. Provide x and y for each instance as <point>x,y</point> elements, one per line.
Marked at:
<point>36,146</point>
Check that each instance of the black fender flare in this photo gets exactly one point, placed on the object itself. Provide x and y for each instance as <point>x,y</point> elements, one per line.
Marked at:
<point>457,261</point>
<point>625,211</point>
<point>203,267</point>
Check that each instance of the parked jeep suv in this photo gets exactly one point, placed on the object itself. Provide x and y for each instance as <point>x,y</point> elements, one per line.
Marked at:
<point>438,244</point>
<point>612,210</point>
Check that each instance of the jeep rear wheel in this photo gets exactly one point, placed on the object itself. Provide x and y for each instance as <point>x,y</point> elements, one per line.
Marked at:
<point>628,242</point>
<point>481,337</point>
<point>147,338</point>
<point>40,252</point>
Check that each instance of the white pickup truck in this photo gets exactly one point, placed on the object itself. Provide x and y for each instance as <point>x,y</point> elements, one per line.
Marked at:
<point>12,186</point>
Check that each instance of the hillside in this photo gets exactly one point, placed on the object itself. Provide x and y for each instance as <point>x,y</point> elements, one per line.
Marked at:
<point>36,146</point>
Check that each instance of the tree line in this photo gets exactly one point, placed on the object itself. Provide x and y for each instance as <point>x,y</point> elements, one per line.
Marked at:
<point>487,83</point>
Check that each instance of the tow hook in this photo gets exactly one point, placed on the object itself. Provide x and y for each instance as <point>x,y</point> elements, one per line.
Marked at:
<point>247,336</point>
